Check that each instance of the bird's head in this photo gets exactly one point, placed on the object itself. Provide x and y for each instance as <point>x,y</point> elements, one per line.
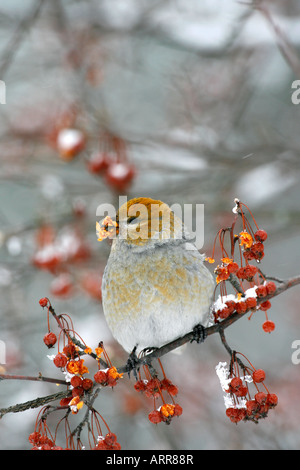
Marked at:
<point>142,223</point>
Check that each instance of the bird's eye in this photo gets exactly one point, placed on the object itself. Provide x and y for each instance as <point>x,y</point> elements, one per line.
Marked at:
<point>131,219</point>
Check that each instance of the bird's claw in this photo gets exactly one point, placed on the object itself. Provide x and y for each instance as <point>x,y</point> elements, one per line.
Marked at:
<point>132,363</point>
<point>199,334</point>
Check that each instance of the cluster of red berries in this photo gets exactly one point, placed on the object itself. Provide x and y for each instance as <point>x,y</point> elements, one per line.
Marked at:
<point>165,413</point>
<point>111,163</point>
<point>56,251</point>
<point>117,174</point>
<point>250,297</point>
<point>251,409</point>
<point>69,359</point>
<point>42,442</point>
<point>153,387</point>
<point>256,250</point>
<point>107,442</point>
<point>107,377</point>
<point>240,406</point>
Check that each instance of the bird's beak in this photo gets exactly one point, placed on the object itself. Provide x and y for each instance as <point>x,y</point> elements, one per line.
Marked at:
<point>106,228</point>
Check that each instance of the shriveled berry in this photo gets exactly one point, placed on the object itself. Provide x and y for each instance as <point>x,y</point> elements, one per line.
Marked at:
<point>34,438</point>
<point>261,398</point>
<point>155,417</point>
<point>241,392</point>
<point>177,410</point>
<point>140,386</point>
<point>258,250</point>
<point>65,401</point>
<point>272,399</point>
<point>87,384</point>
<point>232,267</point>
<point>236,383</point>
<point>260,235</point>
<point>101,377</point>
<point>252,407</point>
<point>110,438</point>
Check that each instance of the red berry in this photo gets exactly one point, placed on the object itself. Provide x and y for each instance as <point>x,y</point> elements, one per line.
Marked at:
<point>232,267</point>
<point>98,163</point>
<point>231,305</point>
<point>223,313</point>
<point>50,339</point>
<point>172,390</point>
<point>271,287</point>
<point>260,235</point>
<point>261,291</point>
<point>236,383</point>
<point>177,410</point>
<point>251,302</point>
<point>235,414</point>
<point>268,326</point>
<point>119,176</point>
<point>60,360</point>
<point>241,307</point>
<point>76,381</point>
<point>272,399</point>
<point>152,388</point>
<point>222,273</point>
<point>140,386</point>
<point>248,255</point>
<point>258,250</point>
<point>110,439</point>
<point>77,391</point>
<point>65,401</point>
<point>62,285</point>
<point>241,273</point>
<point>261,398</point>
<point>241,392</point>
<point>259,375</point>
<point>250,271</point>
<point>101,377</point>
<point>252,407</point>
<point>87,384</point>
<point>34,438</point>
<point>70,142</point>
<point>43,302</point>
<point>265,305</point>
<point>155,417</point>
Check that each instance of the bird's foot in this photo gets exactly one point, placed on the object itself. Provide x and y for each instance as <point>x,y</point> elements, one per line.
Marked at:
<point>132,363</point>
<point>199,334</point>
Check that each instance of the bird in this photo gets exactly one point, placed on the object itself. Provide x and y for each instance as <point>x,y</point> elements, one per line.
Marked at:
<point>155,285</point>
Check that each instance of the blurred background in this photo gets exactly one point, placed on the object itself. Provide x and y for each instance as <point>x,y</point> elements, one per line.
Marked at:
<point>186,102</point>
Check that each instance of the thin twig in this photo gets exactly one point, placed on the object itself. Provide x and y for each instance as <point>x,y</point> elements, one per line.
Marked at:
<point>39,378</point>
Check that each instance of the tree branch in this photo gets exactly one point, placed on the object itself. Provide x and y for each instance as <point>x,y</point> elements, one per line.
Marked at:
<point>34,403</point>
<point>217,328</point>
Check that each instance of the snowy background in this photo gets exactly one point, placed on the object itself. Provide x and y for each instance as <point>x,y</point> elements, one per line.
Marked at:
<point>200,91</point>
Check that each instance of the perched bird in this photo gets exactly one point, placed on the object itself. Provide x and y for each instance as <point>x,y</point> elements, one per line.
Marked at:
<point>155,287</point>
